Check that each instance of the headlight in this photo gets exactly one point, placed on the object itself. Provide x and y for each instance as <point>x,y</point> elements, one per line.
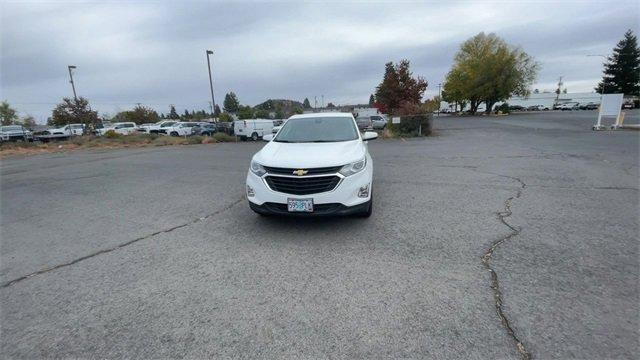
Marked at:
<point>257,168</point>
<point>353,168</point>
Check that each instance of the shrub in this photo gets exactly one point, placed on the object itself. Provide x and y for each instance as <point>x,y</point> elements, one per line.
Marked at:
<point>413,125</point>
<point>112,134</point>
<point>222,137</point>
<point>503,108</point>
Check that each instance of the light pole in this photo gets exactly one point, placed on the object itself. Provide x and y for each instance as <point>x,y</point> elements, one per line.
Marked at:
<point>602,85</point>
<point>73,86</point>
<point>213,101</point>
<point>439,97</point>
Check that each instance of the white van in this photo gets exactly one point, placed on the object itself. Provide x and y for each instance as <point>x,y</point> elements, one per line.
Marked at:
<point>252,128</point>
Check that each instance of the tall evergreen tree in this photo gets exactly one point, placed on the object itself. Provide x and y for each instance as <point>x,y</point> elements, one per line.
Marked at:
<point>216,111</point>
<point>306,104</point>
<point>231,103</point>
<point>622,69</point>
<point>372,100</point>
<point>173,115</point>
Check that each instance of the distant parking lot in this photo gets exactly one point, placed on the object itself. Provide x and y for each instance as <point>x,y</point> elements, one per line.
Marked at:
<point>154,252</point>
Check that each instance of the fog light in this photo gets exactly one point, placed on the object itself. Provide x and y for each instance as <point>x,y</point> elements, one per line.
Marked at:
<point>250,192</point>
<point>363,192</point>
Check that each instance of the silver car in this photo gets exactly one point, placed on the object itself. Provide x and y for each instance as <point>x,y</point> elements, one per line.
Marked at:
<point>378,121</point>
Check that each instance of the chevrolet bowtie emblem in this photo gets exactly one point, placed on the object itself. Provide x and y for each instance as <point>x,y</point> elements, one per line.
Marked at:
<point>300,172</point>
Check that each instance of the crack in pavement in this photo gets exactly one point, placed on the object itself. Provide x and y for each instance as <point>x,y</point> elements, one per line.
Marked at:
<point>495,284</point>
<point>120,246</point>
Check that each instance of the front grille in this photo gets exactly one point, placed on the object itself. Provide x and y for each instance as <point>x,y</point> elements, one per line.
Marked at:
<point>302,185</point>
<point>312,171</point>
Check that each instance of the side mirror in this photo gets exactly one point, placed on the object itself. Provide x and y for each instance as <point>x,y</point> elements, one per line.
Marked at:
<point>369,135</point>
<point>267,137</point>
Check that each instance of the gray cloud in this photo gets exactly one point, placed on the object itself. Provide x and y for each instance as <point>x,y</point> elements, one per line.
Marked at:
<point>153,52</point>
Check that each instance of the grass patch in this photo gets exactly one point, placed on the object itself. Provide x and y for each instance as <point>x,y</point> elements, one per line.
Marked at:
<point>222,137</point>
<point>113,140</point>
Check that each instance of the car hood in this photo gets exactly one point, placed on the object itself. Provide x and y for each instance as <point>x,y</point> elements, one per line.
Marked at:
<point>310,155</point>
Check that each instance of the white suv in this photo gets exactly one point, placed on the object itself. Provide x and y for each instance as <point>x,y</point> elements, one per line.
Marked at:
<point>181,129</point>
<point>317,164</point>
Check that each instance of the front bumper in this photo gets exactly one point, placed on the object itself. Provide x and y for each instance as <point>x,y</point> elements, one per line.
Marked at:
<point>334,209</point>
<point>342,200</point>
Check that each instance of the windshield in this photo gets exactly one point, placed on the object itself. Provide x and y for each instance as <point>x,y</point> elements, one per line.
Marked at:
<point>11,128</point>
<point>318,129</point>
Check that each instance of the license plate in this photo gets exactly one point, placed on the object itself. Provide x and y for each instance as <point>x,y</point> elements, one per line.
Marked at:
<point>300,205</point>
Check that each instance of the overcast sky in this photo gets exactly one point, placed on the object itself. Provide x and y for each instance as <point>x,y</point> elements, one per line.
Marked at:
<point>153,52</point>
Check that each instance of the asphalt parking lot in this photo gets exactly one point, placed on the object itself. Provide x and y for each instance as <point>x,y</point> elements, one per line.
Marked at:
<point>154,253</point>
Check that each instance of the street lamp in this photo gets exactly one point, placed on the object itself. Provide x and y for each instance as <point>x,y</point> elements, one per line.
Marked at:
<point>72,84</point>
<point>213,101</point>
<point>606,58</point>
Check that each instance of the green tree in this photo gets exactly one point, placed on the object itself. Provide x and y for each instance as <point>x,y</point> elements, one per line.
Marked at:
<point>225,117</point>
<point>139,115</point>
<point>245,112</point>
<point>173,115</point>
<point>372,100</point>
<point>330,105</point>
<point>29,122</point>
<point>70,111</point>
<point>231,103</point>
<point>279,114</point>
<point>216,111</point>
<point>261,114</point>
<point>398,86</point>
<point>622,70</point>
<point>8,115</point>
<point>487,69</point>
<point>306,104</point>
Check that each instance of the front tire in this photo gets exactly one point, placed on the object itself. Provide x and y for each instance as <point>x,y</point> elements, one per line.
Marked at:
<point>254,136</point>
<point>173,133</point>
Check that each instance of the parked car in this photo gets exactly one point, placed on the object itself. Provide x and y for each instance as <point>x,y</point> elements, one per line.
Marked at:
<point>15,133</point>
<point>378,122</point>
<point>156,128</point>
<point>317,164</point>
<point>364,123</point>
<point>224,127</point>
<point>205,129</point>
<point>516,108</point>
<point>589,106</point>
<point>253,129</point>
<point>569,106</point>
<point>537,108</point>
<point>123,128</point>
<point>68,130</point>
<point>181,129</point>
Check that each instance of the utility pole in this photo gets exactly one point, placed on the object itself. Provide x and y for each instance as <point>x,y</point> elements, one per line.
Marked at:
<point>213,101</point>
<point>315,103</point>
<point>73,86</point>
<point>439,97</point>
<point>75,97</point>
<point>212,110</point>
